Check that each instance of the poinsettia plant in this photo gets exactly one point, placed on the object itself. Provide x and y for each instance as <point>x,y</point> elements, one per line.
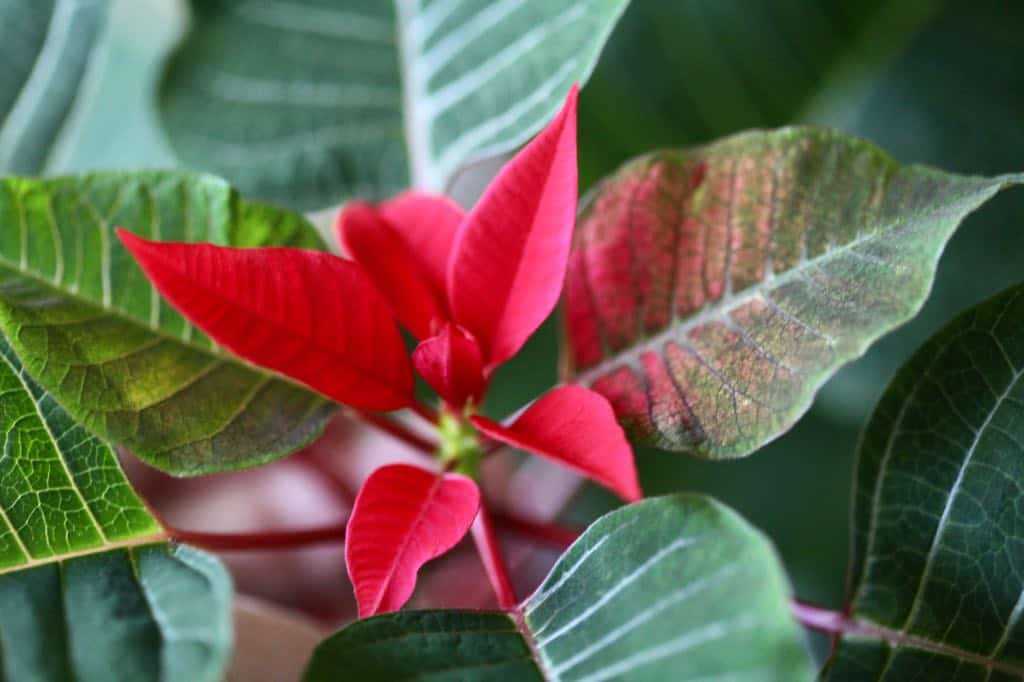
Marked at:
<point>472,289</point>
<point>705,295</point>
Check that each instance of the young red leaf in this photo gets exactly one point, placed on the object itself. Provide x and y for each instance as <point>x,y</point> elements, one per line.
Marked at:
<point>576,427</point>
<point>306,314</point>
<point>427,223</point>
<point>403,517</point>
<point>510,254</point>
<point>451,363</point>
<point>373,243</point>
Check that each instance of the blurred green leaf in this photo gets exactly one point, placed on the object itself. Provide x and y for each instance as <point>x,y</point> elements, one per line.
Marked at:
<point>47,48</point>
<point>84,593</point>
<point>937,579</point>
<point>712,291</point>
<point>311,102</point>
<point>697,594</point>
<point>154,613</point>
<point>679,73</point>
<point>89,327</point>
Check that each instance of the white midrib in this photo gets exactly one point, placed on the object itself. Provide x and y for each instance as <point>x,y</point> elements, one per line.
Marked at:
<point>98,549</point>
<point>950,501</point>
<point>422,174</point>
<point>97,59</point>
<point>33,90</point>
<point>105,543</point>
<point>720,309</point>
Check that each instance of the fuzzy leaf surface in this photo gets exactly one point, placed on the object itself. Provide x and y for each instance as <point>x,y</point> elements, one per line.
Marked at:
<point>712,291</point>
<point>937,573</point>
<point>671,588</point>
<point>85,594</point>
<point>48,47</point>
<point>310,102</point>
<point>93,332</point>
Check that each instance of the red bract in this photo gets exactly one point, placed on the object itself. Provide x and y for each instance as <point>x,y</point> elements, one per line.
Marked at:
<point>508,262</point>
<point>472,288</point>
<point>574,426</point>
<point>452,364</point>
<point>267,306</point>
<point>404,517</point>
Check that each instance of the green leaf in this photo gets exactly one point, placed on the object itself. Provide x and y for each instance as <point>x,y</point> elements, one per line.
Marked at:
<point>91,330</point>
<point>47,49</point>
<point>62,491</point>
<point>671,588</point>
<point>154,612</point>
<point>712,291</point>
<point>85,594</point>
<point>937,579</point>
<point>312,101</point>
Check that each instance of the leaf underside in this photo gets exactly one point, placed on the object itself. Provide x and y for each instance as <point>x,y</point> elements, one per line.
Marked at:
<point>48,46</point>
<point>712,291</point>
<point>92,331</point>
<point>697,594</point>
<point>313,102</point>
<point>158,613</point>
<point>85,594</point>
<point>938,551</point>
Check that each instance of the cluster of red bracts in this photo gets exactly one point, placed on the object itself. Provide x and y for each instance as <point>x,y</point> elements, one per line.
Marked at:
<point>471,288</point>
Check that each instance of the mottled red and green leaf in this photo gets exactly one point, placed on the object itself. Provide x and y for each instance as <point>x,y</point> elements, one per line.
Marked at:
<point>712,291</point>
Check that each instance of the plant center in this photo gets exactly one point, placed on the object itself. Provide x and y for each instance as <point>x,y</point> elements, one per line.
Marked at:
<point>460,445</point>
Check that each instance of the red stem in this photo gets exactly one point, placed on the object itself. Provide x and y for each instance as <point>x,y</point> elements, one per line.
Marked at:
<point>494,565</point>
<point>399,431</point>
<point>274,539</point>
<point>426,412</point>
<point>492,446</point>
<point>818,618</point>
<point>548,533</point>
<point>838,623</point>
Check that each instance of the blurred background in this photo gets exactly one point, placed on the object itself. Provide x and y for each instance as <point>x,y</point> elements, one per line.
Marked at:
<point>932,82</point>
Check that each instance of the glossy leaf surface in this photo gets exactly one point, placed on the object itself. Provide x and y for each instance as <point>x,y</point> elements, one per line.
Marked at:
<point>48,48</point>
<point>575,427</point>
<point>311,102</point>
<point>84,592</point>
<point>712,291</point>
<point>92,331</point>
<point>938,553</point>
<point>307,314</point>
<point>403,517</point>
<point>508,263</point>
<point>671,588</point>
